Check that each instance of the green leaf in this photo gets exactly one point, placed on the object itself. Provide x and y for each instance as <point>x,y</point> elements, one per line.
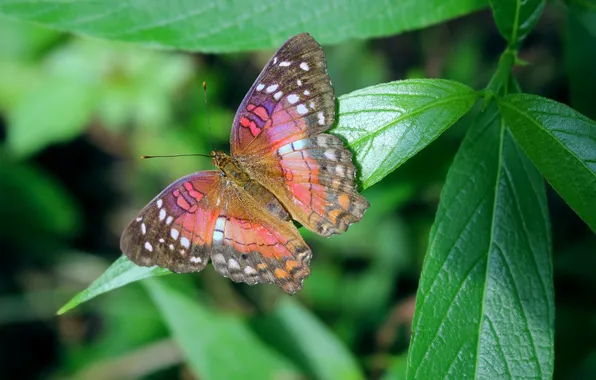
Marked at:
<point>516,18</point>
<point>238,25</point>
<point>55,111</point>
<point>209,339</point>
<point>323,354</point>
<point>121,272</point>
<point>562,144</point>
<point>385,125</point>
<point>485,304</point>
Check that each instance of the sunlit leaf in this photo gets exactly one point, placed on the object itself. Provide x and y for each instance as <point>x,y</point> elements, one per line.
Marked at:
<point>562,144</point>
<point>516,18</point>
<point>485,304</point>
<point>387,124</point>
<point>215,26</point>
<point>121,272</point>
<point>209,339</point>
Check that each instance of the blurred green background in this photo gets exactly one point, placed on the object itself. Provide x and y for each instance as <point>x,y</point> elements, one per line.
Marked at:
<point>75,115</point>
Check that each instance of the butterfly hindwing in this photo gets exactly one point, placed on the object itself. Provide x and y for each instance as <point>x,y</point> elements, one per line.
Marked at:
<point>318,186</point>
<point>255,242</point>
<point>175,229</point>
<point>292,98</point>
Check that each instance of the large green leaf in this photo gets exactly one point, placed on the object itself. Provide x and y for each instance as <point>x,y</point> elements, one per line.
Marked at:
<point>485,304</point>
<point>387,124</point>
<point>516,18</point>
<point>121,272</point>
<point>209,339</point>
<point>562,144</point>
<point>220,26</point>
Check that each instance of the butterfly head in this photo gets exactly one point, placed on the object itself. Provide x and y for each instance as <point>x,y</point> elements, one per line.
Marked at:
<point>230,167</point>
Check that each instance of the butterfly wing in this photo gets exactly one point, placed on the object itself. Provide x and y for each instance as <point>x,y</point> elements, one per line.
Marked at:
<point>246,231</point>
<point>277,135</point>
<point>255,241</point>
<point>175,229</point>
<point>292,98</point>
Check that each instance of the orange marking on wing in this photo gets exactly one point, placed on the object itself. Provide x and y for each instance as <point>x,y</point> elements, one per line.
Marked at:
<point>280,273</point>
<point>262,266</point>
<point>192,192</point>
<point>291,264</point>
<point>344,201</point>
<point>261,112</point>
<point>333,214</point>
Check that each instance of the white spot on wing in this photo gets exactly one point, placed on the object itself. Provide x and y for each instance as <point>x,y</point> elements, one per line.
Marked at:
<point>304,66</point>
<point>302,110</point>
<point>330,154</point>
<point>274,60</point>
<point>218,235</point>
<point>148,246</point>
<point>272,88</point>
<point>249,270</point>
<point>340,171</point>
<point>293,98</point>
<point>195,259</point>
<point>278,95</point>
<point>321,116</point>
<point>159,203</point>
<point>139,219</point>
<point>299,82</point>
<point>285,64</point>
<point>174,233</point>
<point>171,247</point>
<point>312,105</point>
<point>299,144</point>
<point>143,229</point>
<point>169,220</point>
<point>218,259</point>
<point>306,92</point>
<point>161,240</point>
<point>233,264</point>
<point>162,214</point>
<point>285,149</point>
<point>185,242</point>
<point>220,223</point>
<point>260,86</point>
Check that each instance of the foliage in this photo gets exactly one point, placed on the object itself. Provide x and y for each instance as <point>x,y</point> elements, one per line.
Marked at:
<point>485,304</point>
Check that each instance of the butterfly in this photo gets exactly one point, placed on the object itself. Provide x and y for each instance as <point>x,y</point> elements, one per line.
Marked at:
<point>281,167</point>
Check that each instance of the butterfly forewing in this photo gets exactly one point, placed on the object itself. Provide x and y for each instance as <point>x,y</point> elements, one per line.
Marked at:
<point>292,98</point>
<point>174,230</point>
<point>278,135</point>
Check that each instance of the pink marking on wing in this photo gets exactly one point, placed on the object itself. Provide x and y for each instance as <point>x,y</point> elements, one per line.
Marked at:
<point>192,192</point>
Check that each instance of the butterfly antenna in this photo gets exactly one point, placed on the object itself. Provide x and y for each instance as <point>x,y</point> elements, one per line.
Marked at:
<point>207,115</point>
<point>177,155</point>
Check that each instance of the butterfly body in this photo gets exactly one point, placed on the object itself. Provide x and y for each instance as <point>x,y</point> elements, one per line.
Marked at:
<point>281,167</point>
